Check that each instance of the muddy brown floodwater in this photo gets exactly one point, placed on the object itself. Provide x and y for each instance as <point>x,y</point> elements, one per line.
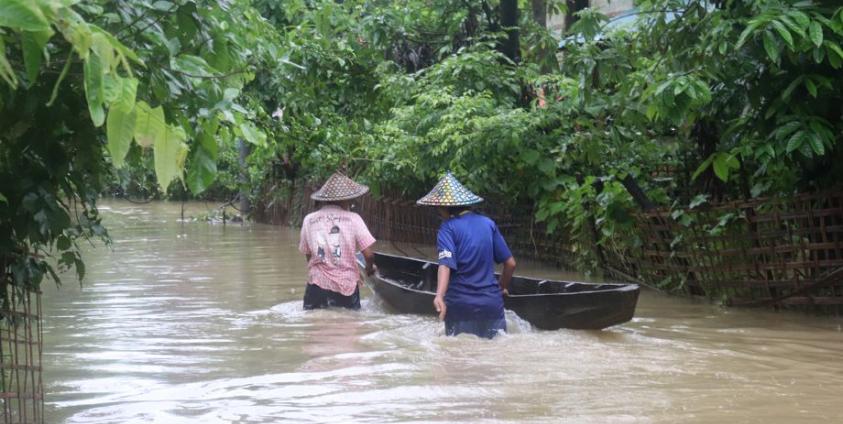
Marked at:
<point>190,322</point>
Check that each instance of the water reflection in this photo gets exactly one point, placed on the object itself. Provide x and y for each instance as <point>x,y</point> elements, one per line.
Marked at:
<point>186,322</point>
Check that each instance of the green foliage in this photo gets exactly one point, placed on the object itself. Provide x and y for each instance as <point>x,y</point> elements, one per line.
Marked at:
<point>740,95</point>
<point>699,102</point>
<point>360,76</point>
<point>696,103</point>
<point>141,85</point>
<point>770,99</point>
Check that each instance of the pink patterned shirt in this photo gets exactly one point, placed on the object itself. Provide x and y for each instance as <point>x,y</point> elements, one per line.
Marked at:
<point>332,236</point>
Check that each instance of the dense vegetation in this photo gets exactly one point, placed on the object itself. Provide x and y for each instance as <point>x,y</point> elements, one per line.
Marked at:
<point>699,101</point>
<point>92,86</point>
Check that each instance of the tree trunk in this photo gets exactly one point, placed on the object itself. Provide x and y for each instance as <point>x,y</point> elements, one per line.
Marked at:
<point>245,206</point>
<point>546,62</point>
<point>540,12</point>
<point>511,47</point>
<point>573,6</point>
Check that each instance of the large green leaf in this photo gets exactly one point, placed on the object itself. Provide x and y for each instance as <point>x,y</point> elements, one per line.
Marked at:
<point>101,45</point>
<point>723,163</point>
<point>800,16</point>
<point>79,34</point>
<point>703,166</point>
<point>721,170</point>
<point>193,66</point>
<point>786,130</point>
<point>251,133</point>
<point>33,51</point>
<point>770,46</point>
<point>187,24</point>
<point>747,32</point>
<point>812,88</point>
<point>95,88</point>
<point>783,32</point>
<point>838,53</point>
<point>22,15</point>
<point>816,32</point>
<point>120,126</point>
<point>170,154</point>
<point>202,171</point>
<point>816,144</point>
<point>119,48</point>
<point>208,141</point>
<point>149,124</point>
<point>129,92</point>
<point>795,141</point>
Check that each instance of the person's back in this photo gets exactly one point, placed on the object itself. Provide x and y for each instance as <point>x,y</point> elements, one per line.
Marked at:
<point>330,238</point>
<point>468,297</point>
<point>333,236</point>
<point>470,244</point>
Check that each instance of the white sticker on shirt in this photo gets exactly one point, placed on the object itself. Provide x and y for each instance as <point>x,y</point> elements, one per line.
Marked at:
<point>330,245</point>
<point>445,254</point>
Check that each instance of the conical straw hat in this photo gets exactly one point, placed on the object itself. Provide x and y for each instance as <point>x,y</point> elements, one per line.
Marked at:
<point>339,187</point>
<point>449,192</point>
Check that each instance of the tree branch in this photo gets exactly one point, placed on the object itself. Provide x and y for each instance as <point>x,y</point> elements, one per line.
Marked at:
<point>637,193</point>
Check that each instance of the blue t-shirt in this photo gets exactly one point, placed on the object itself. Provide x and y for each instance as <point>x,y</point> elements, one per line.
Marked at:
<point>471,244</point>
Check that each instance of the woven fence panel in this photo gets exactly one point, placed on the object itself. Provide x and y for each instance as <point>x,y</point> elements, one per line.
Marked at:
<point>773,251</point>
<point>21,388</point>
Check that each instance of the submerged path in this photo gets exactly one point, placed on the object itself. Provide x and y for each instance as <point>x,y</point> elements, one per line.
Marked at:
<point>189,322</point>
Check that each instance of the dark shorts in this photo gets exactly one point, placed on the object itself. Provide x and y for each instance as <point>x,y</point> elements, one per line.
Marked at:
<point>486,328</point>
<point>316,297</point>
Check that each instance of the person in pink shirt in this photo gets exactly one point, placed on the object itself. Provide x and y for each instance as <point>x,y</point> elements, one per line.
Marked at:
<point>330,238</point>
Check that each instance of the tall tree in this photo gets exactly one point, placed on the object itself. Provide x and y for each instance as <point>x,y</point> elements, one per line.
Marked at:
<point>511,46</point>
<point>539,8</point>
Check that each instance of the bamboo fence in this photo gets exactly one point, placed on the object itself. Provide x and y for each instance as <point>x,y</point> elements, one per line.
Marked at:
<point>773,251</point>
<point>21,334</point>
<point>784,252</point>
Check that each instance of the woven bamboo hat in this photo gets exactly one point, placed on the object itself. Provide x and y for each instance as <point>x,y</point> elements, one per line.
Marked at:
<point>338,188</point>
<point>449,192</point>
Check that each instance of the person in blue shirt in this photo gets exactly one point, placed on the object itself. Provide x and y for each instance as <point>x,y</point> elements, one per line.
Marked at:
<point>468,297</point>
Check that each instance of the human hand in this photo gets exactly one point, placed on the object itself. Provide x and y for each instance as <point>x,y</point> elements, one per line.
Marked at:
<point>371,271</point>
<point>440,306</point>
<point>505,292</point>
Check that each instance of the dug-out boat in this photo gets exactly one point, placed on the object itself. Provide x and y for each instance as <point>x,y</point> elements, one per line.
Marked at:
<point>408,285</point>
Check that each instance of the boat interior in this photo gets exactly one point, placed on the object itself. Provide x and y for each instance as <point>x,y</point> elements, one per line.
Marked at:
<point>411,273</point>
<point>421,275</point>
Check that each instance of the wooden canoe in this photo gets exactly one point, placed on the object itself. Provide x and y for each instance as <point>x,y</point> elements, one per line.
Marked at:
<point>408,285</point>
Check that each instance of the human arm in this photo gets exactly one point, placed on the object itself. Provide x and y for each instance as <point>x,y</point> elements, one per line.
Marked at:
<point>446,247</point>
<point>442,279</point>
<point>506,275</point>
<point>503,255</point>
<point>304,243</point>
<point>365,242</point>
<point>369,257</point>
